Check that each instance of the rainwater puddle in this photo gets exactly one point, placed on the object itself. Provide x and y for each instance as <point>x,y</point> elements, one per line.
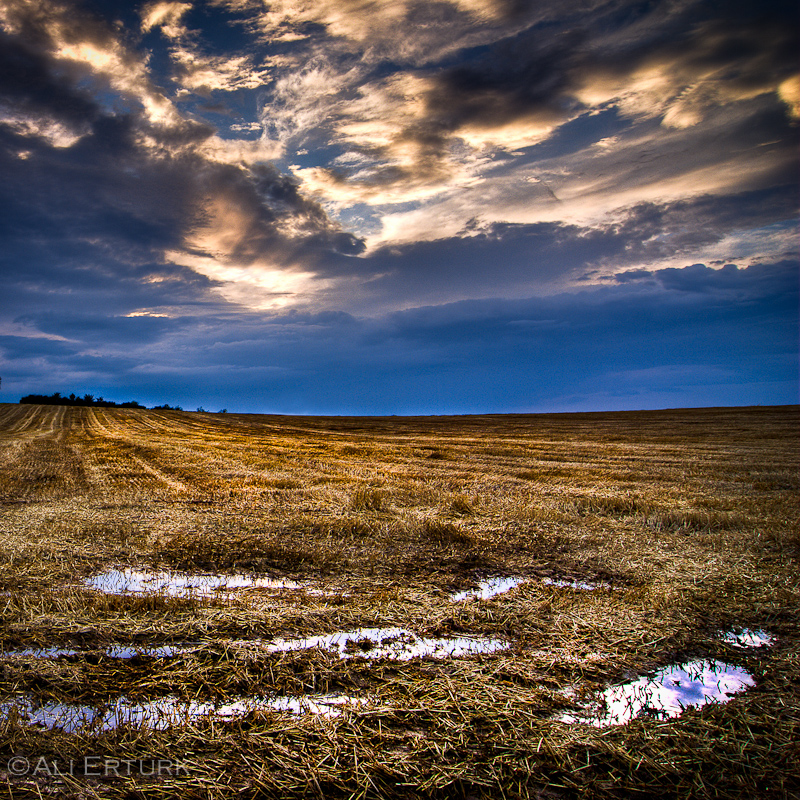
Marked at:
<point>165,651</point>
<point>664,695</point>
<point>488,588</point>
<point>177,584</point>
<point>41,652</point>
<point>330,705</point>
<point>166,712</point>
<point>114,651</point>
<point>396,644</point>
<point>748,638</point>
<point>565,584</point>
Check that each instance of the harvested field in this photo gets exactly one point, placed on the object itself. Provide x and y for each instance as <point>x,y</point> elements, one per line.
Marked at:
<point>444,607</point>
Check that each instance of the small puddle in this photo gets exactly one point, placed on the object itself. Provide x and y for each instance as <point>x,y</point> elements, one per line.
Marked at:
<point>166,712</point>
<point>41,652</point>
<point>165,651</point>
<point>664,695</point>
<point>177,584</point>
<point>114,651</point>
<point>397,644</point>
<point>747,638</point>
<point>488,588</point>
<point>330,705</point>
<point>560,583</point>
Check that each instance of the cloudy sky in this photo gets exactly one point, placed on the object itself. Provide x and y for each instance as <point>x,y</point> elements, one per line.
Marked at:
<point>398,206</point>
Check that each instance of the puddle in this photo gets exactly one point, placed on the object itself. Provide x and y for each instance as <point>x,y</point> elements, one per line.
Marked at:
<point>165,651</point>
<point>330,705</point>
<point>748,638</point>
<point>584,585</point>
<point>664,695</point>
<point>114,651</point>
<point>397,644</point>
<point>166,712</point>
<point>41,652</point>
<point>488,588</point>
<point>177,584</point>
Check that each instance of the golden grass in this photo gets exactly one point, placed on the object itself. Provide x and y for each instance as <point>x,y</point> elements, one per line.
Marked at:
<point>690,517</point>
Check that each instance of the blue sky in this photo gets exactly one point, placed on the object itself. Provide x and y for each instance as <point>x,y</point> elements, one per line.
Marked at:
<point>387,206</point>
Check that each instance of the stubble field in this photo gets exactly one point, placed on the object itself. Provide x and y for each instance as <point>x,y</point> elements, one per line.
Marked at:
<point>369,664</point>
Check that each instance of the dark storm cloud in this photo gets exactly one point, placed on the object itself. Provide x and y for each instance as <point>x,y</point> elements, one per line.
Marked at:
<point>28,84</point>
<point>703,220</point>
<point>767,280</point>
<point>730,328</point>
<point>633,275</point>
<point>527,74</point>
<point>97,212</point>
<point>526,258</point>
<point>620,346</point>
<point>95,193</point>
<point>266,203</point>
<point>703,336</point>
<point>101,188</point>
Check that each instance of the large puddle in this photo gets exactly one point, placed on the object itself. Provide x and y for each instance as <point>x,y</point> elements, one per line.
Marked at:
<point>165,712</point>
<point>664,695</point>
<point>397,644</point>
<point>177,584</point>
<point>128,581</point>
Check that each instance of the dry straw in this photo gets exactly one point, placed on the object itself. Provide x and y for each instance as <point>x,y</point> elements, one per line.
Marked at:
<point>685,521</point>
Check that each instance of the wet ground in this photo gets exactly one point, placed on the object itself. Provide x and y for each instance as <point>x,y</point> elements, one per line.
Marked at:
<point>663,694</point>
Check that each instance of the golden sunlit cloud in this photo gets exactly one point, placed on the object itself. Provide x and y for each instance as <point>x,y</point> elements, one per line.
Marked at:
<point>240,151</point>
<point>789,92</point>
<point>166,16</point>
<point>595,186</point>
<point>373,25</point>
<point>55,132</point>
<point>257,286</point>
<point>200,73</point>
<point>94,50</point>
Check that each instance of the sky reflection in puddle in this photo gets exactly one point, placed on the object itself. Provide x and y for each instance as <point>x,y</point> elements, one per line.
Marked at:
<point>166,712</point>
<point>177,584</point>
<point>748,638</point>
<point>397,644</point>
<point>488,588</point>
<point>664,695</point>
<point>40,652</point>
<point>561,583</point>
<point>113,651</point>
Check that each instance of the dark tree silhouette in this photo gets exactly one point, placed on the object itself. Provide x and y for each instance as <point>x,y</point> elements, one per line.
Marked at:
<point>56,399</point>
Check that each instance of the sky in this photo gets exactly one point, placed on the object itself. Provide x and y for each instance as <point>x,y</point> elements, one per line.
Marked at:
<point>400,207</point>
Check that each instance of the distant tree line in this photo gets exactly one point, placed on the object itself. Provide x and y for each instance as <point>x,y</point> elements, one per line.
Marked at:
<point>57,399</point>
